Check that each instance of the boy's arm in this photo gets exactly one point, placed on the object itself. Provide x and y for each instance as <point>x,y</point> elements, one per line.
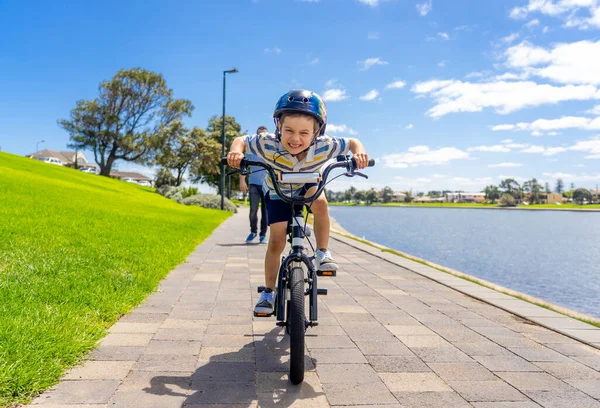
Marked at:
<point>358,153</point>
<point>236,152</point>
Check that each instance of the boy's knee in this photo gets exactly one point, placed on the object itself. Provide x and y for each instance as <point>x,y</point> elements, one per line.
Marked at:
<point>319,206</point>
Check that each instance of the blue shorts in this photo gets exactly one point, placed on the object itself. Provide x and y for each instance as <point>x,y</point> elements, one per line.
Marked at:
<point>279,210</point>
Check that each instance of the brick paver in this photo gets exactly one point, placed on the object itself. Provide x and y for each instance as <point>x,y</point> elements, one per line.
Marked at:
<point>388,336</point>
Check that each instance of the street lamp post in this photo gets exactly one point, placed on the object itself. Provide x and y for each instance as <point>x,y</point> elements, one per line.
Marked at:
<point>37,145</point>
<point>231,71</point>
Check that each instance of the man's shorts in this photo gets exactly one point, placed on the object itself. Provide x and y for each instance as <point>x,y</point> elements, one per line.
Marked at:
<point>279,211</point>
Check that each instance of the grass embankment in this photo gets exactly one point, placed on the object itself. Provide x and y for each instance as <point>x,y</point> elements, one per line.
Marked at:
<point>76,252</point>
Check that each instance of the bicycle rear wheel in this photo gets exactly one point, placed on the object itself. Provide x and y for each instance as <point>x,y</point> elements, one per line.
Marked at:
<point>297,325</point>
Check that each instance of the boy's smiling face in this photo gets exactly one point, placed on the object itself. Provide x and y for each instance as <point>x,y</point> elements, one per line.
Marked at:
<point>297,132</point>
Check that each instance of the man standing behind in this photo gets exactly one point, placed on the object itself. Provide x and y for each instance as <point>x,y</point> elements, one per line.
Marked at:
<point>256,179</point>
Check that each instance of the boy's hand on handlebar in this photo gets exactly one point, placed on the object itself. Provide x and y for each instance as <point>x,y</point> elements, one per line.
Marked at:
<point>361,159</point>
<point>234,159</point>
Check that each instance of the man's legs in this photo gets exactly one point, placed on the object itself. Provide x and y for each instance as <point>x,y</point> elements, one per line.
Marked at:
<point>254,194</point>
<point>263,215</point>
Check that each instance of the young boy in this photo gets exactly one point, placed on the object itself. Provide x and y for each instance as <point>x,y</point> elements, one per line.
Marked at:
<point>299,145</point>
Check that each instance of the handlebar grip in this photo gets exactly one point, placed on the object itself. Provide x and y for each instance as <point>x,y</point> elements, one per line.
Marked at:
<point>224,161</point>
<point>371,163</point>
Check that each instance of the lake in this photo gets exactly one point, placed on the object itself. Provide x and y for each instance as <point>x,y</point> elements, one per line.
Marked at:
<point>552,255</point>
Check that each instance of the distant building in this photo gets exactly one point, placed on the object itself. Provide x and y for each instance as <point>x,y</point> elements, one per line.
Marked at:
<point>398,197</point>
<point>550,198</point>
<point>127,175</point>
<point>465,197</point>
<point>66,158</point>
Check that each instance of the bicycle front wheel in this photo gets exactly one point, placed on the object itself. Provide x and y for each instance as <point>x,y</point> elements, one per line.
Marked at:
<point>297,325</point>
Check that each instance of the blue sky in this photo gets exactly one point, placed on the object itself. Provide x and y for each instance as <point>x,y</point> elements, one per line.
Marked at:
<point>444,94</point>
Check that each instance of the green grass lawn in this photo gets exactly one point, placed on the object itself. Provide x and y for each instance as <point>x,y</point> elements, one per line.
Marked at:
<point>76,252</point>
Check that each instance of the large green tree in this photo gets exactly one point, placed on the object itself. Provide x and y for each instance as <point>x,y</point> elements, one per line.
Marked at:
<point>581,194</point>
<point>185,149</point>
<point>533,188</point>
<point>387,194</point>
<point>127,119</point>
<point>560,186</point>
<point>492,193</point>
<point>212,175</point>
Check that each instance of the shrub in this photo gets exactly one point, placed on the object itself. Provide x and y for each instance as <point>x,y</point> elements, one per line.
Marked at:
<point>506,200</point>
<point>209,201</point>
<point>165,189</point>
<point>188,192</point>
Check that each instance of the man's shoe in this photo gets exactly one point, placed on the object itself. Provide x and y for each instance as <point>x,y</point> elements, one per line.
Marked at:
<point>325,261</point>
<point>250,237</point>
<point>264,306</point>
<point>263,239</point>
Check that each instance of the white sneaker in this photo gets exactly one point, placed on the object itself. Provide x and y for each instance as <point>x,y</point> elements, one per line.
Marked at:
<point>325,261</point>
<point>265,303</point>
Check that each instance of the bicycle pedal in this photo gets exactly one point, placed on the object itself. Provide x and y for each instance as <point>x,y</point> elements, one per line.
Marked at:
<point>322,291</point>
<point>260,289</point>
<point>260,314</point>
<point>326,273</point>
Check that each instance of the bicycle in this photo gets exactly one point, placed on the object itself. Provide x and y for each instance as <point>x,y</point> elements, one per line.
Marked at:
<point>297,276</point>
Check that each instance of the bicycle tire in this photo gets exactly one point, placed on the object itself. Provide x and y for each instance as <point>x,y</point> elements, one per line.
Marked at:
<point>297,323</point>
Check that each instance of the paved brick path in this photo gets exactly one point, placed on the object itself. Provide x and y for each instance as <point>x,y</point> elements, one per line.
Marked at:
<point>387,337</point>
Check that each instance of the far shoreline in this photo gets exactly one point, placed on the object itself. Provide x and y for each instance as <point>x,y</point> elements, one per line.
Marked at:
<point>477,207</point>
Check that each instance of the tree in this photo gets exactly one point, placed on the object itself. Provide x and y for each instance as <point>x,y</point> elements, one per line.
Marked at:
<point>184,148</point>
<point>533,188</point>
<point>547,188</point>
<point>408,198</point>
<point>560,187</point>
<point>211,175</point>
<point>506,200</point>
<point>512,187</point>
<point>572,186</point>
<point>434,194</point>
<point>360,196</point>
<point>491,193</point>
<point>127,119</point>
<point>371,196</point>
<point>387,194</point>
<point>164,177</point>
<point>349,194</point>
<point>581,194</point>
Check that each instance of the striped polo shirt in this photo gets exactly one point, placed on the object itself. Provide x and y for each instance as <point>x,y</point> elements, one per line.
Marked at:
<point>267,147</point>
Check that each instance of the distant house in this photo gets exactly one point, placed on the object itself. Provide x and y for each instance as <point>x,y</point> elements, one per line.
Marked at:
<point>426,199</point>
<point>398,197</point>
<point>128,176</point>
<point>465,197</point>
<point>66,158</point>
<point>550,198</point>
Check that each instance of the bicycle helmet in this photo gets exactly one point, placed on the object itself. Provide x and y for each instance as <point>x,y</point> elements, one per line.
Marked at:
<point>301,101</point>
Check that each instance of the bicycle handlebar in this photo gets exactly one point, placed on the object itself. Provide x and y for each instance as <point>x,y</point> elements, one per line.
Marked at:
<point>341,161</point>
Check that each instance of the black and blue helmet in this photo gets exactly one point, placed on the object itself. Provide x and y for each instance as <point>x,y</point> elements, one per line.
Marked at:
<point>302,101</point>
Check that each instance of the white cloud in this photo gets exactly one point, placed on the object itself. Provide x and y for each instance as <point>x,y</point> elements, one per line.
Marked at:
<point>453,96</point>
<point>594,111</point>
<point>425,8</point>
<point>443,35</point>
<point>332,95</point>
<point>589,146</point>
<point>369,62</point>
<point>494,149</point>
<point>373,36</point>
<point>510,38</point>
<point>371,95</point>
<point>567,10</point>
<point>340,128</point>
<point>409,126</point>
<point>274,50</point>
<point>533,23</point>
<point>441,182</point>
<point>331,83</point>
<point>313,61</point>
<point>370,3</point>
<point>508,164</point>
<point>442,64</point>
<point>546,151</point>
<point>400,84</point>
<point>575,178</point>
<point>422,155</point>
<point>566,122</point>
<point>566,63</point>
